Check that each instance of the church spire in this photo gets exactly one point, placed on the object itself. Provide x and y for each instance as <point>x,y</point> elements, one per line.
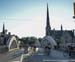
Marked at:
<point>48,28</point>
<point>3,28</point>
<point>48,22</point>
<point>61,30</point>
<point>61,27</point>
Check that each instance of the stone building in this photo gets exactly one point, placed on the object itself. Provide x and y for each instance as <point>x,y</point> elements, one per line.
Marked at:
<point>60,36</point>
<point>8,41</point>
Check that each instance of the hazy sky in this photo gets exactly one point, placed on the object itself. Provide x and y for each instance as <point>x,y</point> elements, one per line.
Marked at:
<point>28,17</point>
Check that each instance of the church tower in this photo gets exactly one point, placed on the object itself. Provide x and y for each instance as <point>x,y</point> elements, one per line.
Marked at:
<point>3,29</point>
<point>48,27</point>
<point>61,27</point>
<point>61,30</point>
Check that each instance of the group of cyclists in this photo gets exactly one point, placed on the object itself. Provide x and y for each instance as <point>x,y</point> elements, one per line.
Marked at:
<point>70,50</point>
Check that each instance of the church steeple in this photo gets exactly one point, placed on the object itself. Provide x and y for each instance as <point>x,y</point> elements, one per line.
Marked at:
<point>48,22</point>
<point>48,28</point>
<point>61,27</point>
<point>61,30</point>
<point>3,29</point>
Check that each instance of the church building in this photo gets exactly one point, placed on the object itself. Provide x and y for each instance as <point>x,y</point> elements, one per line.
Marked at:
<point>60,36</point>
<point>8,42</point>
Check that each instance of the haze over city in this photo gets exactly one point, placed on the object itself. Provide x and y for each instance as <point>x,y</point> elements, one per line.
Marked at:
<point>28,17</point>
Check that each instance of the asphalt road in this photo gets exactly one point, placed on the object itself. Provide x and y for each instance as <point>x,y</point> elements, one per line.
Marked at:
<point>55,56</point>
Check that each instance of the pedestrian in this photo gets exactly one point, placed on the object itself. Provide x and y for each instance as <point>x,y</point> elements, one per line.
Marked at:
<point>48,49</point>
<point>70,50</point>
<point>34,48</point>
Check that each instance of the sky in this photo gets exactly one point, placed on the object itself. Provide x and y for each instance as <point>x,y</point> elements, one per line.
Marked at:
<point>28,17</point>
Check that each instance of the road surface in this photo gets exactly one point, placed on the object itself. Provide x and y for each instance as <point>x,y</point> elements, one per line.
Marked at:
<point>55,56</point>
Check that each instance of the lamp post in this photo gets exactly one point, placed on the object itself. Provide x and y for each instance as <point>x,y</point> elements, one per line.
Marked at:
<point>74,9</point>
<point>73,18</point>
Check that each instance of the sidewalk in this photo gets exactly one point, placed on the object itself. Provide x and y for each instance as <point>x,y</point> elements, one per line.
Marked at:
<point>10,56</point>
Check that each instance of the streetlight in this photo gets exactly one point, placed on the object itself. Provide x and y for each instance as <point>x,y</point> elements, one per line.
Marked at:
<point>74,9</point>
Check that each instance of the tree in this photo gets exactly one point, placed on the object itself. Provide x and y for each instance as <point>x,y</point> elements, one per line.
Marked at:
<point>28,40</point>
<point>40,39</point>
<point>32,40</point>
